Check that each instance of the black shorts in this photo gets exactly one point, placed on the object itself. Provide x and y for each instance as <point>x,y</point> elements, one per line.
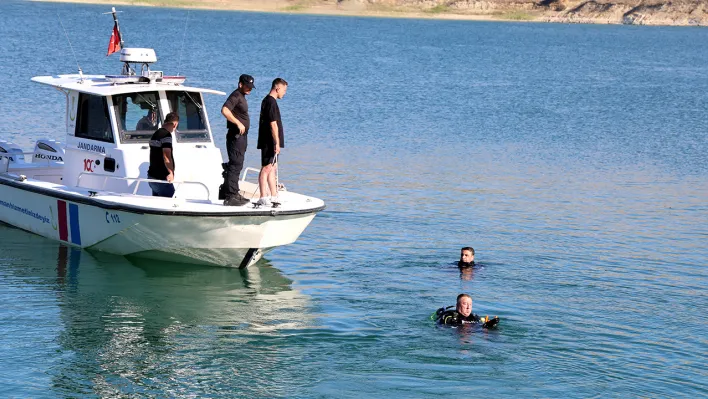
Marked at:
<point>268,156</point>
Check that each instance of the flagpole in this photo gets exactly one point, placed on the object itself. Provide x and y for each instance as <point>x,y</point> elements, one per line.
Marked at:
<point>115,19</point>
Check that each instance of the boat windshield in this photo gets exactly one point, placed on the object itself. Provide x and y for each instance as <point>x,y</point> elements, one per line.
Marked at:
<point>138,115</point>
<point>192,125</point>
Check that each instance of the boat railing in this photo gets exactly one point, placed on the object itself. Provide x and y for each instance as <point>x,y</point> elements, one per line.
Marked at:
<point>139,180</point>
<point>246,170</point>
<point>281,187</point>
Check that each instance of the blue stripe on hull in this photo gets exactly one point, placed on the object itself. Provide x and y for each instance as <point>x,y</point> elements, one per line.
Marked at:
<point>74,224</point>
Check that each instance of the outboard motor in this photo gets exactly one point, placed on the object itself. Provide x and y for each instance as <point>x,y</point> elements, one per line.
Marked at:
<point>47,150</point>
<point>7,147</point>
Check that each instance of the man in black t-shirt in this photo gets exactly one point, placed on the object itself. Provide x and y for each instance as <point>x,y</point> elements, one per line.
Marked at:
<point>235,110</point>
<point>270,140</point>
<point>162,162</point>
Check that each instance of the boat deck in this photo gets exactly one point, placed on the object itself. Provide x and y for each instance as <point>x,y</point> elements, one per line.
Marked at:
<point>290,203</point>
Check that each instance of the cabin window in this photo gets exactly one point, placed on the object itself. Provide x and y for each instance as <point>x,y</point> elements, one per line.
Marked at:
<point>188,105</point>
<point>93,121</point>
<point>138,115</point>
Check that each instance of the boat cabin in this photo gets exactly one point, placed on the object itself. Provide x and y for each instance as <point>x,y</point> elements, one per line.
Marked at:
<point>109,122</point>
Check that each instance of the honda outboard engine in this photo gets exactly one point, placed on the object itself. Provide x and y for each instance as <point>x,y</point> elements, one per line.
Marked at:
<point>7,147</point>
<point>47,150</point>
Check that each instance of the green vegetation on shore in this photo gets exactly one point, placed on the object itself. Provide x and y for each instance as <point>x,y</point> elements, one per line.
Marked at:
<point>439,9</point>
<point>515,16</point>
<point>162,3</point>
<point>295,7</point>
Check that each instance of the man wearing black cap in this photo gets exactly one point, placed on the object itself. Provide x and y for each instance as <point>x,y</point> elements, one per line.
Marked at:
<point>235,110</point>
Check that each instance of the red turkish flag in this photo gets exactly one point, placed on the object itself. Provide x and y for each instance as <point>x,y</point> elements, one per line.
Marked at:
<point>114,43</point>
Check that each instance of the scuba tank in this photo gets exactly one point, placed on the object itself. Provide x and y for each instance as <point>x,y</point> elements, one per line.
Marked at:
<point>438,315</point>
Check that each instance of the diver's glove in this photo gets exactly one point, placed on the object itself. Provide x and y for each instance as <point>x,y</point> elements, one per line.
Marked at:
<point>489,323</point>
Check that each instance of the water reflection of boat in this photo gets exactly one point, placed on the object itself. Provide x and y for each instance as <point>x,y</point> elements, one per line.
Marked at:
<point>122,316</point>
<point>203,290</point>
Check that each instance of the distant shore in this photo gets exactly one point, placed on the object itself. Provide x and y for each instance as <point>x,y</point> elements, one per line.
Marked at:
<point>307,7</point>
<point>579,11</point>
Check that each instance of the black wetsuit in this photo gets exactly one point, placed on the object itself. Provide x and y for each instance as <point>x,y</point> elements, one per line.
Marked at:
<point>452,317</point>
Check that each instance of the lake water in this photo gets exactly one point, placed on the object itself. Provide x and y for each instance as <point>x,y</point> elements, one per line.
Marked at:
<point>573,158</point>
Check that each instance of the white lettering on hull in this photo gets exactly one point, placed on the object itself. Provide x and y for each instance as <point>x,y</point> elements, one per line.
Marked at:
<point>92,147</point>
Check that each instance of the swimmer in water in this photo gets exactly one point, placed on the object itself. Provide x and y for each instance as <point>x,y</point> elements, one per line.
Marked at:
<point>462,314</point>
<point>466,257</point>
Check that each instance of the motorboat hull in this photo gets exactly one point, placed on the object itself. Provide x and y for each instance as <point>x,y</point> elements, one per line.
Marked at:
<point>234,240</point>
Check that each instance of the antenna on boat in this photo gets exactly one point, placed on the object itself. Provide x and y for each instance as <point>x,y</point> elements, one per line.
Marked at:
<point>81,75</point>
<point>184,36</point>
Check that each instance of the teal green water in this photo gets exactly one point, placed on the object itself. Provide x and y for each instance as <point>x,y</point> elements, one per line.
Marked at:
<point>572,157</point>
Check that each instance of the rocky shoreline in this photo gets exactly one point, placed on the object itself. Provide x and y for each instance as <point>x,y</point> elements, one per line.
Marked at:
<point>636,12</point>
<point>676,13</point>
<point>630,12</point>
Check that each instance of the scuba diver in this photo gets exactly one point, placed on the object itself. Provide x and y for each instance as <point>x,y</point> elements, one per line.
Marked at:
<point>466,257</point>
<point>462,314</point>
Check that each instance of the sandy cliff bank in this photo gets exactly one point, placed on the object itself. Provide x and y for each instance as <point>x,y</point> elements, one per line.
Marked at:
<point>636,12</point>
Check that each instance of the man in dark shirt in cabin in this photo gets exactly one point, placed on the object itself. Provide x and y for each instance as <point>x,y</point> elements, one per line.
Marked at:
<point>270,140</point>
<point>148,122</point>
<point>162,162</point>
<point>235,110</point>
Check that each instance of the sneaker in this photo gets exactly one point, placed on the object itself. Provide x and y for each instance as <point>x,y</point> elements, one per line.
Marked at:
<point>237,200</point>
<point>265,201</point>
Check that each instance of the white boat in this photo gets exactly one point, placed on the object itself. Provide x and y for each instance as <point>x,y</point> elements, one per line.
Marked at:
<point>92,191</point>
